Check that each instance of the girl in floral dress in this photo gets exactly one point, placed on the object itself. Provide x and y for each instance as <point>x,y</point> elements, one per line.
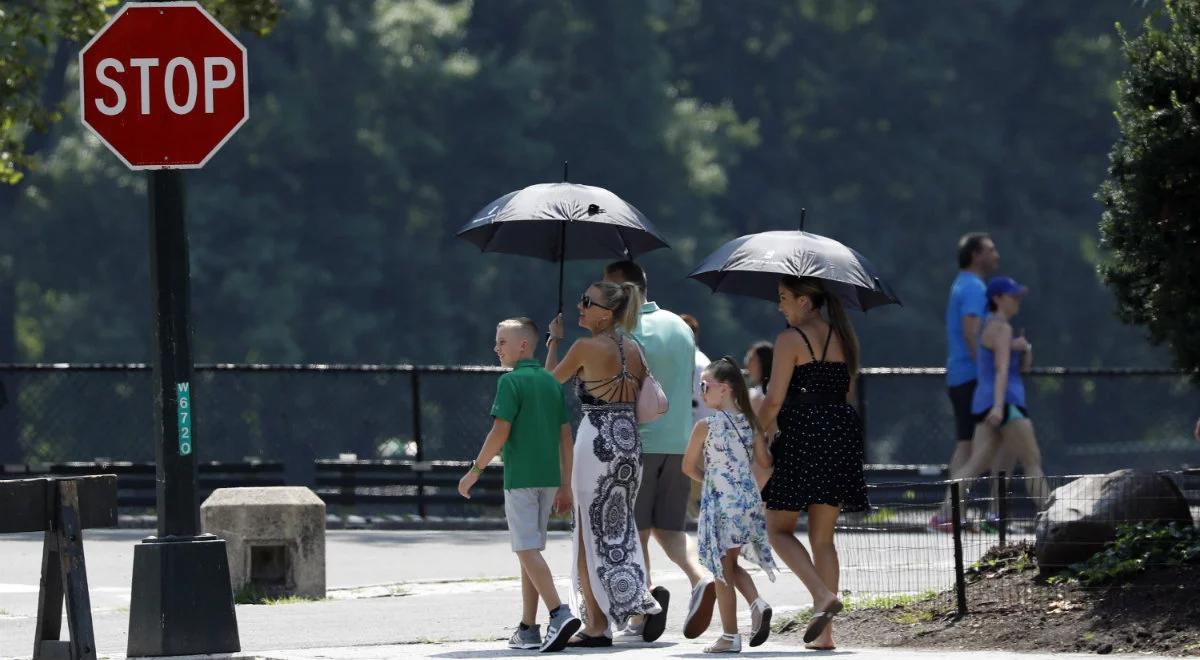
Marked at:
<point>732,521</point>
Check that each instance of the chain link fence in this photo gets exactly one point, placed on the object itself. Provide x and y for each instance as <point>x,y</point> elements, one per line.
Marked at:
<point>1087,420</point>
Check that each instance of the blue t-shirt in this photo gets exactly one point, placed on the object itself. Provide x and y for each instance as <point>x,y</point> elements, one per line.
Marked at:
<point>968,297</point>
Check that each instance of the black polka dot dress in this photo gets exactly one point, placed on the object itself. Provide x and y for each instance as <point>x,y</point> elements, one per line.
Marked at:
<point>820,451</point>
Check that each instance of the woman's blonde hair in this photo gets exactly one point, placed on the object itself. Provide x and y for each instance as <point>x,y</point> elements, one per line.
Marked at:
<point>838,319</point>
<point>625,302</point>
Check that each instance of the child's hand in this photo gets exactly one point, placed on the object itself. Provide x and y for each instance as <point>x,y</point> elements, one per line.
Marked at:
<point>563,500</point>
<point>464,484</point>
<point>761,474</point>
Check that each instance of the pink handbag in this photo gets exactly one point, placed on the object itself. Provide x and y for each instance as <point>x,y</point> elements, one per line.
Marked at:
<point>652,401</point>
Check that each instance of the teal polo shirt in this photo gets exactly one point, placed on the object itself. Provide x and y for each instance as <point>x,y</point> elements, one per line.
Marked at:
<point>531,399</point>
<point>670,349</point>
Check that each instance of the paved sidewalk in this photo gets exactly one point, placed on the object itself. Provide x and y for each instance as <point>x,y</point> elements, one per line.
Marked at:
<point>687,649</point>
<point>392,591</point>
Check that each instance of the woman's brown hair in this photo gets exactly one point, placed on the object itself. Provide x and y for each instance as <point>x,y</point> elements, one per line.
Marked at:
<point>814,290</point>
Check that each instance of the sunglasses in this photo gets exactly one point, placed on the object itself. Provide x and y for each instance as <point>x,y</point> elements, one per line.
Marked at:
<point>704,385</point>
<point>585,301</point>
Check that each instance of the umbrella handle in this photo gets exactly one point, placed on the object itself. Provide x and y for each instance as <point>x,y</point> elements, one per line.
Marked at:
<point>562,258</point>
<point>562,252</point>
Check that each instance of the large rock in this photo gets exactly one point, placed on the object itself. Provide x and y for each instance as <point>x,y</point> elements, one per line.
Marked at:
<point>1082,516</point>
<point>275,537</point>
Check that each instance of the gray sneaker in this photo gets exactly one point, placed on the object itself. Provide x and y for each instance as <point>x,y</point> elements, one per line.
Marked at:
<point>527,639</point>
<point>559,630</point>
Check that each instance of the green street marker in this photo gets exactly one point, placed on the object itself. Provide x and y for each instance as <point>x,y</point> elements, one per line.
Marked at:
<point>185,418</point>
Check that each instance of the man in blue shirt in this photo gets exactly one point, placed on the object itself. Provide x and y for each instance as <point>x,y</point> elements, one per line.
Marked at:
<point>977,259</point>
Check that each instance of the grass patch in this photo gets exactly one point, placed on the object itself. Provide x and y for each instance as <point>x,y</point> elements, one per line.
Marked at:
<point>889,602</point>
<point>901,608</point>
<point>250,595</point>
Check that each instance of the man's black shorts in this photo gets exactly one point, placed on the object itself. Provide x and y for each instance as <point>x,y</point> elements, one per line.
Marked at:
<point>964,421</point>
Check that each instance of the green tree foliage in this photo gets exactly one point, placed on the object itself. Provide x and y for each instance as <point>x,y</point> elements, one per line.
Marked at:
<point>1151,220</point>
<point>324,230</point>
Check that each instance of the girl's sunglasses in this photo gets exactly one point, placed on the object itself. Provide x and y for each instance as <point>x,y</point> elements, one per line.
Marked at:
<point>726,358</point>
<point>704,387</point>
<point>585,301</point>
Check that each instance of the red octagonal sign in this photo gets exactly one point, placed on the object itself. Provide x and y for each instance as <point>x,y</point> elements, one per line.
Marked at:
<point>163,84</point>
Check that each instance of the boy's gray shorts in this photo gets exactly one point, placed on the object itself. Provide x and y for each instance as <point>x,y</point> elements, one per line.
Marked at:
<point>528,514</point>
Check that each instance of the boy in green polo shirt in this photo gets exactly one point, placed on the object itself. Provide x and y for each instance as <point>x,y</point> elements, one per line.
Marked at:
<point>531,431</point>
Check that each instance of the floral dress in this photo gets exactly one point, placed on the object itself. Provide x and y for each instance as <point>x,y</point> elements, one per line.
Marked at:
<point>731,509</point>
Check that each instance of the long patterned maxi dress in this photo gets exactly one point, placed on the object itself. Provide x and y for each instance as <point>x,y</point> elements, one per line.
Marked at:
<point>605,477</point>
<point>731,509</point>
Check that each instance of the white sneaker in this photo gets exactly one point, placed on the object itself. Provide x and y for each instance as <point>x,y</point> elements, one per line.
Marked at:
<point>760,622</point>
<point>700,609</point>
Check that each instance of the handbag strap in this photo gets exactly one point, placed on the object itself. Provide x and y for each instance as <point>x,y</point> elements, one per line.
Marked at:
<point>733,424</point>
<point>645,364</point>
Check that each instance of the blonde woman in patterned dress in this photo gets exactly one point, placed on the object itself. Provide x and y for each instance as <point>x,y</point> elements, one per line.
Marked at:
<point>609,571</point>
<point>732,521</point>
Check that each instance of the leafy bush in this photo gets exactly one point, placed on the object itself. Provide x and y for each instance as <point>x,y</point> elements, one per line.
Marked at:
<point>1136,548</point>
<point>1150,197</point>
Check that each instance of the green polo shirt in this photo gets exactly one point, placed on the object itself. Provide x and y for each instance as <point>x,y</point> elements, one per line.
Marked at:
<point>531,399</point>
<point>670,350</point>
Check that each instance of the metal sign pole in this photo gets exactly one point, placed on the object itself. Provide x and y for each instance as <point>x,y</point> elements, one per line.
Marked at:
<point>179,513</point>
<point>181,601</point>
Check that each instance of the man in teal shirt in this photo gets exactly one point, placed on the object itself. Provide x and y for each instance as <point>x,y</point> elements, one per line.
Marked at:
<point>661,509</point>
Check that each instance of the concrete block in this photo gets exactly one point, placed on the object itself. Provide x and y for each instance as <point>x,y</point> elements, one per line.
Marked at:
<point>275,537</point>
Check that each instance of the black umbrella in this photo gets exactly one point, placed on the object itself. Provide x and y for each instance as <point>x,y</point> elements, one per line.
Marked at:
<point>560,221</point>
<point>752,265</point>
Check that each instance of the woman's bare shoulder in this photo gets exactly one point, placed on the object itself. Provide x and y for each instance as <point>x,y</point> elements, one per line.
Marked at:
<point>997,326</point>
<point>787,338</point>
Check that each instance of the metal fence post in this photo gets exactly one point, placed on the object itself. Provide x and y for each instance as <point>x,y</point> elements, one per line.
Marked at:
<point>960,584</point>
<point>1002,514</point>
<point>416,425</point>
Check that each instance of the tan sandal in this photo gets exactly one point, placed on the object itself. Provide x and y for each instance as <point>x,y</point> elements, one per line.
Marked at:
<point>821,620</point>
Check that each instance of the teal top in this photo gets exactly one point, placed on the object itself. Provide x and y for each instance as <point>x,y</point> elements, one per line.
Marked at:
<point>531,399</point>
<point>670,350</point>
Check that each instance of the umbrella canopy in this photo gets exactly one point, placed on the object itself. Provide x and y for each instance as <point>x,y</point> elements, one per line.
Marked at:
<point>561,221</point>
<point>543,219</point>
<point>752,265</point>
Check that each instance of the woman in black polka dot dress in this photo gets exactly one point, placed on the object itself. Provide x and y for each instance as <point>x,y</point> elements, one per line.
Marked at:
<point>819,452</point>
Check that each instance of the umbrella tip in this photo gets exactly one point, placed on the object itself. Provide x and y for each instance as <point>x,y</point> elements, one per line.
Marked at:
<point>565,171</point>
<point>803,212</point>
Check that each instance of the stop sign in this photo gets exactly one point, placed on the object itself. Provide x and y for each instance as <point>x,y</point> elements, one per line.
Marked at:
<point>163,85</point>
